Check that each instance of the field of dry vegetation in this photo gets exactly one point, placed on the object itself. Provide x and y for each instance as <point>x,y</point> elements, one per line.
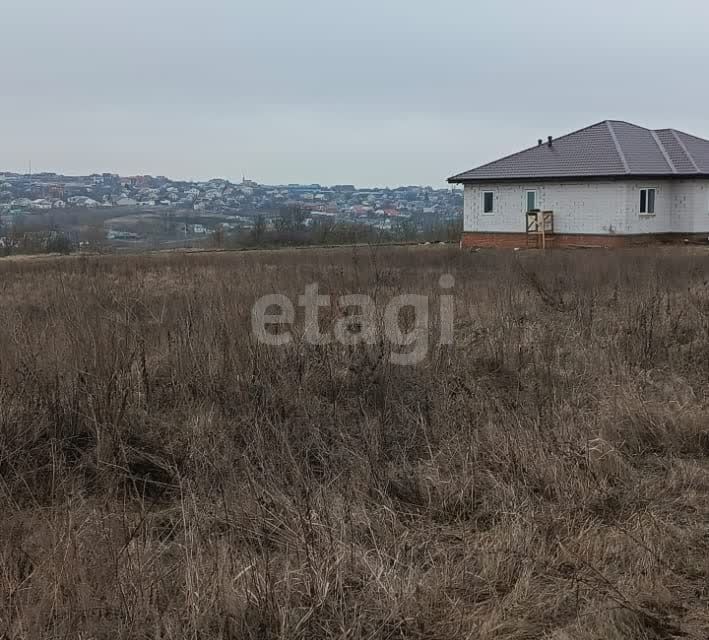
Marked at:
<point>164,476</point>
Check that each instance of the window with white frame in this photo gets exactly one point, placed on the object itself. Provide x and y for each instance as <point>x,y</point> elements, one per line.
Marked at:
<point>531,200</point>
<point>488,202</point>
<point>647,202</point>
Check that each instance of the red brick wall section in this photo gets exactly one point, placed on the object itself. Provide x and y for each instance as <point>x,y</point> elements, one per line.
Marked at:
<point>519,240</point>
<point>568,240</point>
<point>494,240</point>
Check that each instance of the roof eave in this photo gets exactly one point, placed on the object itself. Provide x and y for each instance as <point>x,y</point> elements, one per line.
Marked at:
<point>460,179</point>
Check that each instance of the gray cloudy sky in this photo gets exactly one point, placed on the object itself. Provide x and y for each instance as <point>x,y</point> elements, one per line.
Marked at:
<point>372,92</point>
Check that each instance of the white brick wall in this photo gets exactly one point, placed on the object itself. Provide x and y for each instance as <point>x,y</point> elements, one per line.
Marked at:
<point>661,221</point>
<point>611,207</point>
<point>690,206</point>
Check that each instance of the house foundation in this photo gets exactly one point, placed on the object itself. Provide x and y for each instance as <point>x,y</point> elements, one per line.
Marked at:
<point>496,240</point>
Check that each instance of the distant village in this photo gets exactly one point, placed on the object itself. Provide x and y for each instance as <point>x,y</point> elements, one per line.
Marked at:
<point>139,207</point>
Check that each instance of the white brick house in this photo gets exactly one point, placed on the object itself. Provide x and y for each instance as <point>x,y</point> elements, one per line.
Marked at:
<point>608,184</point>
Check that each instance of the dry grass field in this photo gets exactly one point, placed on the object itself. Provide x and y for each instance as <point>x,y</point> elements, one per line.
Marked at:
<point>163,475</point>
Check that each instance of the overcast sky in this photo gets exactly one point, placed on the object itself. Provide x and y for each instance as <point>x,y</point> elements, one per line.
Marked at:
<point>370,92</point>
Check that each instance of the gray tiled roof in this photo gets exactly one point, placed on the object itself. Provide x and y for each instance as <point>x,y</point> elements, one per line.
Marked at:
<point>609,148</point>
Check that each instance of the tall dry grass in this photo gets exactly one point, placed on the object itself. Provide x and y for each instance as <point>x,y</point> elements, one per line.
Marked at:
<point>162,475</point>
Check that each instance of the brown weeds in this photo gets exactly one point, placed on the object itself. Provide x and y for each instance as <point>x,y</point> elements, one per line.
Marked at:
<point>163,475</point>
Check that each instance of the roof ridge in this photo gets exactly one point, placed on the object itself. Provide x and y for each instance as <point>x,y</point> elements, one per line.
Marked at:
<point>684,148</point>
<point>517,153</point>
<point>631,124</point>
<point>618,148</point>
<point>662,149</point>
<point>689,135</point>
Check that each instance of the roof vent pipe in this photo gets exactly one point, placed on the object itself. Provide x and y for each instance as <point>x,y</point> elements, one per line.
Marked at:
<point>539,142</point>
<point>549,139</point>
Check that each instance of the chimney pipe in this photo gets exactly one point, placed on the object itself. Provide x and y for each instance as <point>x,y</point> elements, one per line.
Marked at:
<point>540,142</point>
<point>549,140</point>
